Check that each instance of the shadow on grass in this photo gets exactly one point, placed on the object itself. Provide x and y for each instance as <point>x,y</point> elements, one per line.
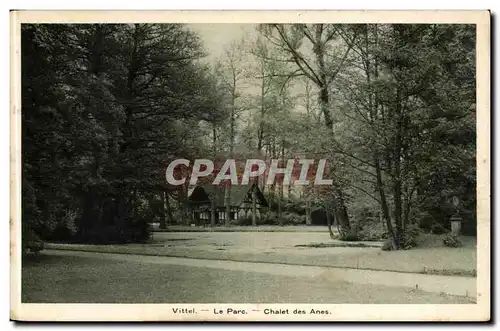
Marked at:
<point>41,259</point>
<point>340,244</point>
<point>32,259</point>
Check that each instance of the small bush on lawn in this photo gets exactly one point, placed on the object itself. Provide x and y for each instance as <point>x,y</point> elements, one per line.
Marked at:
<point>372,235</point>
<point>370,229</point>
<point>452,241</point>
<point>387,246</point>
<point>406,240</point>
<point>350,235</point>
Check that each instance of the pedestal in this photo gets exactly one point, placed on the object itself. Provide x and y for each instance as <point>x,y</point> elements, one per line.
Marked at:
<point>456,225</point>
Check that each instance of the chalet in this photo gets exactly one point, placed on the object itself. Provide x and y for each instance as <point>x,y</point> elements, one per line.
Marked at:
<point>240,198</point>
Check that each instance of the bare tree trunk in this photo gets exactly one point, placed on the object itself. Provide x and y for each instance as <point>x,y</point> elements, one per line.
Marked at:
<point>214,196</point>
<point>163,212</point>
<point>227,201</point>
<point>397,168</point>
<point>320,78</point>
<point>382,219</point>
<point>308,212</point>
<point>254,206</point>
<point>227,192</point>
<point>260,133</point>
<point>187,214</point>
<point>329,223</point>
<point>279,210</point>
<point>212,212</point>
<point>280,201</point>
<point>272,191</point>
<point>341,214</point>
<point>168,208</point>
<point>383,203</point>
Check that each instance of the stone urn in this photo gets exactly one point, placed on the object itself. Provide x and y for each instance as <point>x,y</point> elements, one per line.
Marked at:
<point>456,220</point>
<point>456,225</point>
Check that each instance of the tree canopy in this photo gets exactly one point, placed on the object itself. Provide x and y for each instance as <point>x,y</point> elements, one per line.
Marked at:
<point>106,108</point>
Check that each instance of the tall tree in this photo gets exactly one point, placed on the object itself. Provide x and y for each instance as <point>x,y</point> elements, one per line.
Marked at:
<point>103,106</point>
<point>402,96</point>
<point>289,39</point>
<point>232,72</point>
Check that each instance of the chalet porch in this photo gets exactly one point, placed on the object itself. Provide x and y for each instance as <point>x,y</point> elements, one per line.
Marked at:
<point>203,199</point>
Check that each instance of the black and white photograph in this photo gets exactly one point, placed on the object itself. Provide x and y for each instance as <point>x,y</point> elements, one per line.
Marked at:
<point>252,171</point>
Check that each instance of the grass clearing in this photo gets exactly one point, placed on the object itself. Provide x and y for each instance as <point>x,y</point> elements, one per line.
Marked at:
<point>430,257</point>
<point>67,279</point>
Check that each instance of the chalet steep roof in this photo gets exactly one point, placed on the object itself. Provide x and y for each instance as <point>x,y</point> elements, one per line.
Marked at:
<point>237,193</point>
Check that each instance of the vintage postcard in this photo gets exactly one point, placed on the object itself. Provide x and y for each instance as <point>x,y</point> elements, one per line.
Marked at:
<point>250,166</point>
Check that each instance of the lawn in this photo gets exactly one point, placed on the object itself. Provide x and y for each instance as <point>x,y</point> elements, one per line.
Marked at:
<point>430,257</point>
<point>65,279</point>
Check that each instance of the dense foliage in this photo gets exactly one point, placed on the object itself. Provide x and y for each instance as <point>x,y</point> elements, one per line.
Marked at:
<point>106,107</point>
<point>397,120</point>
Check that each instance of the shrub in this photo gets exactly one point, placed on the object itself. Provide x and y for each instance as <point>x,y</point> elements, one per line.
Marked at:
<point>387,246</point>
<point>65,227</point>
<point>452,241</point>
<point>288,218</point>
<point>118,226</point>
<point>269,218</point>
<point>242,221</point>
<point>425,221</point>
<point>31,242</point>
<point>350,235</point>
<point>371,229</point>
<point>112,234</point>
<point>288,205</point>
<point>406,241</point>
<point>372,235</point>
<point>438,228</point>
<point>294,206</point>
<point>414,230</point>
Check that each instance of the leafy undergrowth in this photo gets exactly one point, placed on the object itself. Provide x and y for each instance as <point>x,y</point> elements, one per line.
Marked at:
<point>428,240</point>
<point>452,241</point>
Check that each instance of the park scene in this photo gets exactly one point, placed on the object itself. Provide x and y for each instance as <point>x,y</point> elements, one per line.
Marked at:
<point>249,163</point>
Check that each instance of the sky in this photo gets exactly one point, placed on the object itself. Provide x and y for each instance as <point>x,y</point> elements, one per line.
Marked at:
<point>216,37</point>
